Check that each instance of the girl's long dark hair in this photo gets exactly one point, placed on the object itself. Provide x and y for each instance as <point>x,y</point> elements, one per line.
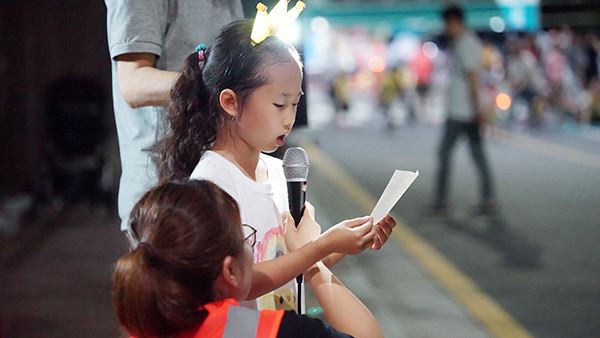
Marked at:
<point>185,231</point>
<point>195,114</point>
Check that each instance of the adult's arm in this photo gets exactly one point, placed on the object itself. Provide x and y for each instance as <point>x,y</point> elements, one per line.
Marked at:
<point>343,310</point>
<point>140,83</point>
<point>270,275</point>
<point>135,31</point>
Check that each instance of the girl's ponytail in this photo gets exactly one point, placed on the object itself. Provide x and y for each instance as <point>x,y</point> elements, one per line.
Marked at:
<point>191,126</point>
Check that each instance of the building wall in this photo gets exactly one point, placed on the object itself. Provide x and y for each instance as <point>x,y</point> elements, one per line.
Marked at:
<point>42,41</point>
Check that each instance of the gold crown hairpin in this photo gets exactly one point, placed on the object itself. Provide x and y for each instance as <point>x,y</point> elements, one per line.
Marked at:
<point>267,24</point>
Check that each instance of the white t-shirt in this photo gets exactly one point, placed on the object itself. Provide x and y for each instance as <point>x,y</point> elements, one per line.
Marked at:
<point>261,206</point>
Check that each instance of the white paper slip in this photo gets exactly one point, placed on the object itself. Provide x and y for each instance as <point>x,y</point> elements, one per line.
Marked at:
<point>395,188</point>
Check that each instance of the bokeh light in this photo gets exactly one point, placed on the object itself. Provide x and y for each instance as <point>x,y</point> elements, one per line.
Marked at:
<point>430,49</point>
<point>319,25</point>
<point>503,101</point>
<point>497,24</point>
<point>376,64</point>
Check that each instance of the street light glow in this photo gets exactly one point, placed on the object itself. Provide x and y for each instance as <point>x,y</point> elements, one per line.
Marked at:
<point>497,24</point>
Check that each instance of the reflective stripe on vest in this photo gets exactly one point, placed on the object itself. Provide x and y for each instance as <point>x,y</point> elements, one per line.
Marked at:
<point>226,319</point>
<point>241,323</point>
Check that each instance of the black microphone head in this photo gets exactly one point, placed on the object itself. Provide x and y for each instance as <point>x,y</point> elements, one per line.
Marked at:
<point>295,165</point>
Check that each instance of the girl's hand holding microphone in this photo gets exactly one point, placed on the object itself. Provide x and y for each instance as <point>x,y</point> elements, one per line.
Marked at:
<point>305,232</point>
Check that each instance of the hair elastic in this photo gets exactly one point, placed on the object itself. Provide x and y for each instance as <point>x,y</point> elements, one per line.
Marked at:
<point>201,50</point>
<point>148,250</point>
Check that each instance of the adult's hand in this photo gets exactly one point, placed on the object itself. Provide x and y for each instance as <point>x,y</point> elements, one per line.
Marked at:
<point>384,230</point>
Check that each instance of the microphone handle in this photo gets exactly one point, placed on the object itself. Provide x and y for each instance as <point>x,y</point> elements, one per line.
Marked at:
<point>296,199</point>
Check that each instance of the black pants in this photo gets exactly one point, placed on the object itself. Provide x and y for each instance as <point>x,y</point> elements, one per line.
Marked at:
<point>452,132</point>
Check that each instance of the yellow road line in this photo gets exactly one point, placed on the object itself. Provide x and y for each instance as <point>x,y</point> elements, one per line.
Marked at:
<point>481,307</point>
<point>550,149</point>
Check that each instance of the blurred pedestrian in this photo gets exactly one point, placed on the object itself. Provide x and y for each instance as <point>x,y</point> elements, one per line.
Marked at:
<point>388,92</point>
<point>592,110</point>
<point>338,92</point>
<point>556,70</point>
<point>525,79</point>
<point>592,71</point>
<point>422,69</point>
<point>148,42</point>
<point>465,116</point>
<point>490,82</point>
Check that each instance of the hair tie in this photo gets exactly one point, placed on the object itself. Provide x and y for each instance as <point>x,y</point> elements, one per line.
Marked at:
<point>201,50</point>
<point>148,250</point>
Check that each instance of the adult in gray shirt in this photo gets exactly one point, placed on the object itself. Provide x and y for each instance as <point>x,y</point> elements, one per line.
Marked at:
<point>148,41</point>
<point>464,110</point>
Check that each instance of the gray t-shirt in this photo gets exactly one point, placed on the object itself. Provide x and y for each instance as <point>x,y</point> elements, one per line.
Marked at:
<point>466,56</point>
<point>169,29</point>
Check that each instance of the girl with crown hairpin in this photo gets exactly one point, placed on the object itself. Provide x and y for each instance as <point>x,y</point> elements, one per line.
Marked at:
<point>233,101</point>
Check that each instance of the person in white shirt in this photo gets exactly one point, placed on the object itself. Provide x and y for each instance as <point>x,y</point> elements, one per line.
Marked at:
<point>465,114</point>
<point>148,41</point>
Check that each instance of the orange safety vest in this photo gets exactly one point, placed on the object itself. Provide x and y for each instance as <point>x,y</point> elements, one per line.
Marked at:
<point>227,319</point>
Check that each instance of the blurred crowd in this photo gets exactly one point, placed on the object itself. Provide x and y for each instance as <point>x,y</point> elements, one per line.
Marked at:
<point>552,74</point>
<point>528,80</point>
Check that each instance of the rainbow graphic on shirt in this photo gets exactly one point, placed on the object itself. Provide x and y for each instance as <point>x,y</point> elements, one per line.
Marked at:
<point>272,246</point>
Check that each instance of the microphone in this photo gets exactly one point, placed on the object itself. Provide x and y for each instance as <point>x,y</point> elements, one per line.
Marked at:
<point>295,169</point>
